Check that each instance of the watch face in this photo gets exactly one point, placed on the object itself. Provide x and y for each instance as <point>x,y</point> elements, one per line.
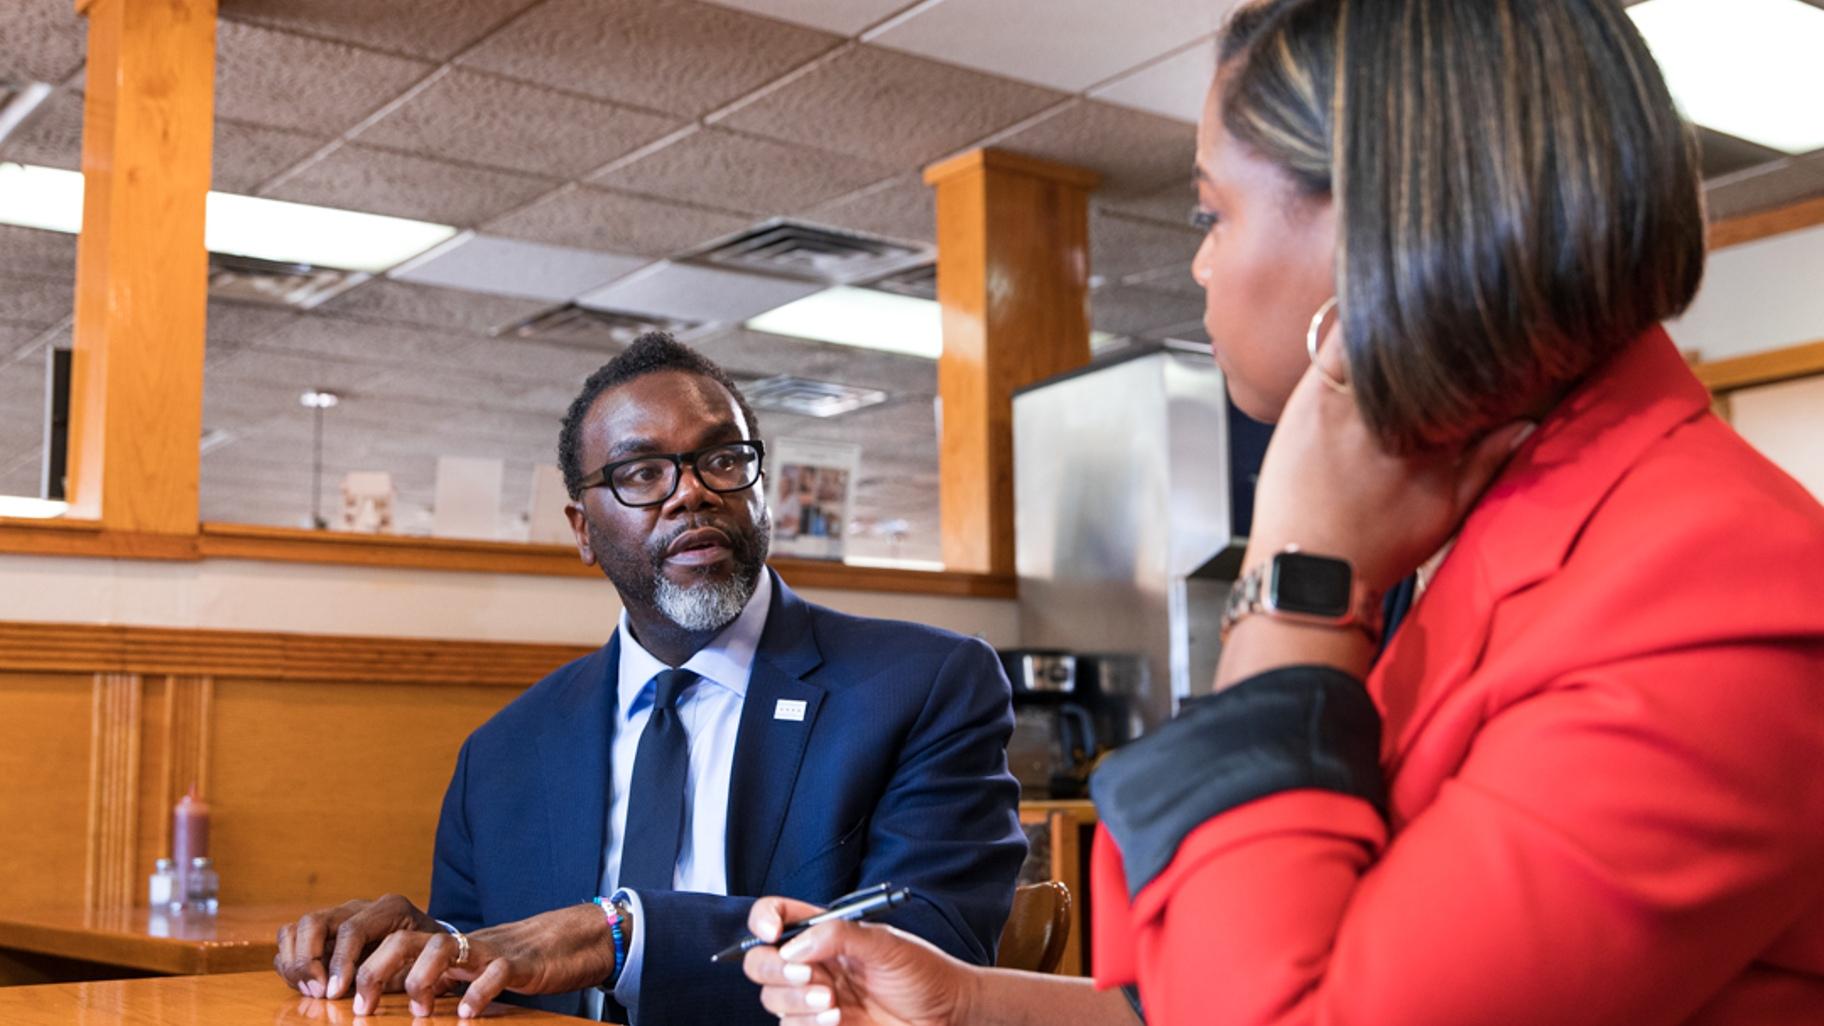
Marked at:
<point>1312,585</point>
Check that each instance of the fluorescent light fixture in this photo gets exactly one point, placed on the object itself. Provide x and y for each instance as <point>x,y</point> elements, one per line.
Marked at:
<point>20,507</point>
<point>864,318</point>
<point>41,197</point>
<point>252,226</point>
<point>1750,68</point>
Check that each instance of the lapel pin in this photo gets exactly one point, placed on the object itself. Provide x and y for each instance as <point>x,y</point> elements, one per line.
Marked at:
<point>789,709</point>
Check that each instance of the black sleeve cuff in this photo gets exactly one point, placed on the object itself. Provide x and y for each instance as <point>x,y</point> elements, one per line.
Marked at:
<point>1295,728</point>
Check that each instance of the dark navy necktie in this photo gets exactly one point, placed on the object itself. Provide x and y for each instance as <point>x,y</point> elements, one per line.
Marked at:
<point>655,813</point>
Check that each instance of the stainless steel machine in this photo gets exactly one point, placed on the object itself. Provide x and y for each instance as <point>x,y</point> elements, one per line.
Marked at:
<point>1133,484</point>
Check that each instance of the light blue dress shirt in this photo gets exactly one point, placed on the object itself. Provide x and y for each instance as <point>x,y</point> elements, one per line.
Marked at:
<point>711,713</point>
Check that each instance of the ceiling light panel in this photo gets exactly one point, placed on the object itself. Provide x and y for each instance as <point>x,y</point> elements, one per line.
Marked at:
<point>510,267</point>
<point>1748,67</point>
<point>700,294</point>
<point>251,226</point>
<point>863,318</point>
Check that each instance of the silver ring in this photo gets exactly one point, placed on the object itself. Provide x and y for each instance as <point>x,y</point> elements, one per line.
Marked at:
<point>1313,337</point>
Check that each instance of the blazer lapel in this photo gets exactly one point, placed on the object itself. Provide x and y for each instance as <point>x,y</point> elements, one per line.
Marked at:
<point>573,760</point>
<point>770,743</point>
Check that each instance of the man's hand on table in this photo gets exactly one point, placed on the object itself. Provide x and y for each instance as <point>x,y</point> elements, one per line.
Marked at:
<point>337,938</point>
<point>562,950</point>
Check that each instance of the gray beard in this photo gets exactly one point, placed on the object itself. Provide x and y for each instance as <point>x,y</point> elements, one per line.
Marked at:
<point>705,605</point>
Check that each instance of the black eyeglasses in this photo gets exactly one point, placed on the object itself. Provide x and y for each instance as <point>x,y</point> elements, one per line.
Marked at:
<point>650,480</point>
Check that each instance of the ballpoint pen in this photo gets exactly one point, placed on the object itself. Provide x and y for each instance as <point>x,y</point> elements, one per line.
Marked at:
<point>863,904</point>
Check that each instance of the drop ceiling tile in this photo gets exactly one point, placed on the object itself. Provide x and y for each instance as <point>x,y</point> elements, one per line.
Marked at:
<point>384,182</point>
<point>1169,204</point>
<point>904,209</point>
<point>1173,87</point>
<point>286,375</point>
<point>38,302</point>
<point>843,17</point>
<point>52,136</point>
<point>543,371</point>
<point>1141,313</point>
<point>701,294</point>
<point>34,253</point>
<point>246,156</point>
<point>1062,44</point>
<point>234,324</point>
<point>889,107</point>
<point>1172,280</point>
<point>483,119</point>
<point>593,218</point>
<point>277,79</point>
<point>1120,246</point>
<point>510,267</point>
<point>677,56</point>
<point>346,339</point>
<point>731,171</point>
<point>439,308</point>
<point>431,29</point>
<point>1136,154</point>
<point>41,40</point>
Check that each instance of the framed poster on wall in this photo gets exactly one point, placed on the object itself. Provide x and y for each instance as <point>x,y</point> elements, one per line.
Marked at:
<point>811,490</point>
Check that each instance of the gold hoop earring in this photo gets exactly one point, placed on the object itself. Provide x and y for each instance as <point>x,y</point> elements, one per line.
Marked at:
<point>1313,335</point>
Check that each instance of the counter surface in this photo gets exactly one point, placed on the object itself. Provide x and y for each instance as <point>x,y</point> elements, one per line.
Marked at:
<point>229,1000</point>
<point>236,939</point>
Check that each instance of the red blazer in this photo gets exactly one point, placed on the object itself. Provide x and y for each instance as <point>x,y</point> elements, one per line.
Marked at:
<point>1604,749</point>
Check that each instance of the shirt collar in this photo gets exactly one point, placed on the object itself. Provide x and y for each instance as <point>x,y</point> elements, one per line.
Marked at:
<point>727,661</point>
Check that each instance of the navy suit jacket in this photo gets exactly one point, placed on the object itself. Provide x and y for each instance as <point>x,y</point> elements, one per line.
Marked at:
<point>898,772</point>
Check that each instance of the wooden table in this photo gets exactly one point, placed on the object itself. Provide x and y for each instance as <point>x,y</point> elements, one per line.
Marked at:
<point>235,999</point>
<point>234,940</point>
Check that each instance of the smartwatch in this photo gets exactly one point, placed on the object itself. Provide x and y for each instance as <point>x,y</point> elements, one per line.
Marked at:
<point>1305,588</point>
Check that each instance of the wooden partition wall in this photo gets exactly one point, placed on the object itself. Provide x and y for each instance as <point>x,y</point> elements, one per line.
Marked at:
<point>324,758</point>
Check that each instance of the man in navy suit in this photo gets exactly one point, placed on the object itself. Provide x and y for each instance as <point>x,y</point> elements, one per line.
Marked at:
<point>730,740</point>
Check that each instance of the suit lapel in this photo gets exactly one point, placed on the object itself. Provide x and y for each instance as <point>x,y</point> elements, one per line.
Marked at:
<point>769,747</point>
<point>573,752</point>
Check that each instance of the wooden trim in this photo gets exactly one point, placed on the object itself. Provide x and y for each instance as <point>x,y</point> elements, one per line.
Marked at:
<point>1017,163</point>
<point>1752,227</point>
<point>290,545</point>
<point>113,790</point>
<point>1770,367</point>
<point>100,648</point>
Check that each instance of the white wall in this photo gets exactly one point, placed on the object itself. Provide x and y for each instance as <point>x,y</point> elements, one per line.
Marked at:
<point>1759,295</point>
<point>230,594</point>
<point>1786,422</point>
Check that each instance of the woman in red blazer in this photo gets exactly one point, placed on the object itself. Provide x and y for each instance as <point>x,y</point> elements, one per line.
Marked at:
<point>1579,784</point>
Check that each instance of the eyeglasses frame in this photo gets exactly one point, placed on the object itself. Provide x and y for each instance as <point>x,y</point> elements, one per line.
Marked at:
<point>600,479</point>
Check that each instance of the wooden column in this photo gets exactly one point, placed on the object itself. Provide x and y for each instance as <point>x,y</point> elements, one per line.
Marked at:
<point>141,271</point>
<point>1013,279</point>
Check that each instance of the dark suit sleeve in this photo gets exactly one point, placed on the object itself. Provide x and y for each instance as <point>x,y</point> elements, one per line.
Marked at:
<point>947,826</point>
<point>454,898</point>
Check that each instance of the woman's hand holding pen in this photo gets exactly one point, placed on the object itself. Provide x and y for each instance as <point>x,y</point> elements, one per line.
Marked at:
<point>858,974</point>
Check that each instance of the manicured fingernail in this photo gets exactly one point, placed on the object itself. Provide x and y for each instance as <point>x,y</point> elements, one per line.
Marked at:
<point>360,1005</point>
<point>797,972</point>
<point>792,951</point>
<point>465,1011</point>
<point>335,987</point>
<point>829,1018</point>
<point>419,1010</point>
<point>817,997</point>
<point>767,929</point>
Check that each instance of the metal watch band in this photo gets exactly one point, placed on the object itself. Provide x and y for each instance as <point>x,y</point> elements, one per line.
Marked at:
<point>1248,597</point>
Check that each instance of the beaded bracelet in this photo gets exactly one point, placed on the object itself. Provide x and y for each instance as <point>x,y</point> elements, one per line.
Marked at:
<point>613,913</point>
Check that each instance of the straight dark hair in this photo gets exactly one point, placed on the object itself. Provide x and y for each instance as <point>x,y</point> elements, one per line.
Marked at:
<point>1517,197</point>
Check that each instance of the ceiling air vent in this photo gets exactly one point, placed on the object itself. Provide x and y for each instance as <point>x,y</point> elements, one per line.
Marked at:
<point>277,283</point>
<point>918,282</point>
<point>600,330</point>
<point>803,397</point>
<point>810,251</point>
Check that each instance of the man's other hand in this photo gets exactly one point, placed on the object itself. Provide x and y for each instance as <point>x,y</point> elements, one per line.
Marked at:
<point>562,950</point>
<point>319,954</point>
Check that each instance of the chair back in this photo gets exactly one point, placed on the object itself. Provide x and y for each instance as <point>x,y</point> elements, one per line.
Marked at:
<point>1038,928</point>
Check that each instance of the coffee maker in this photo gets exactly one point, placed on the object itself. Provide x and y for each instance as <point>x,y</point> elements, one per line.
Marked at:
<point>1069,708</point>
